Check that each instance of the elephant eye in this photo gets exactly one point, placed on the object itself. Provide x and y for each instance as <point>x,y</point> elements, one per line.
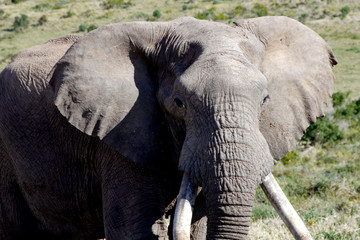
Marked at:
<point>265,99</point>
<point>179,103</point>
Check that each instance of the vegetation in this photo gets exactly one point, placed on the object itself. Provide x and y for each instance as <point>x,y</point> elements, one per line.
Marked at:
<point>321,176</point>
<point>21,23</point>
<point>157,13</point>
<point>108,4</point>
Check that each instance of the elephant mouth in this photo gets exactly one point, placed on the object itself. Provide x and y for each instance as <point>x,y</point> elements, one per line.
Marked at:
<point>186,200</point>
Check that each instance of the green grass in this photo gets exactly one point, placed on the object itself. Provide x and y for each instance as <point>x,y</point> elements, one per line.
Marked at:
<point>321,176</point>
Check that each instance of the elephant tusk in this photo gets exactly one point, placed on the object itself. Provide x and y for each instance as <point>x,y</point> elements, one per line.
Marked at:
<point>184,209</point>
<point>284,208</point>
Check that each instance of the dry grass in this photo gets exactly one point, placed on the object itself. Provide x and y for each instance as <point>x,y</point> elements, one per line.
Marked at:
<point>326,228</point>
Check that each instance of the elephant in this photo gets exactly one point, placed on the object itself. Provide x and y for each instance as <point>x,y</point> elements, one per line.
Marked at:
<point>138,128</point>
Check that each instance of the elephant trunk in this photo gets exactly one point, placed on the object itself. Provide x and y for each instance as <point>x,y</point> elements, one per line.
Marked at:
<point>230,188</point>
<point>231,171</point>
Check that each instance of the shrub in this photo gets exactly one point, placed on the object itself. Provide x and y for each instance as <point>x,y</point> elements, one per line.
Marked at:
<point>207,14</point>
<point>260,10</point>
<point>303,17</point>
<point>108,4</point>
<point>292,157</point>
<point>141,15</point>
<point>344,11</point>
<point>17,1</point>
<point>323,131</point>
<point>339,98</point>
<point>82,27</point>
<point>349,112</point>
<point>92,27</point>
<point>21,23</point>
<point>185,7</point>
<point>238,11</point>
<point>157,13</point>
<point>42,20</point>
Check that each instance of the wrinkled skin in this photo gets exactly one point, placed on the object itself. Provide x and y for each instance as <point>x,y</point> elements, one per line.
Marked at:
<point>94,143</point>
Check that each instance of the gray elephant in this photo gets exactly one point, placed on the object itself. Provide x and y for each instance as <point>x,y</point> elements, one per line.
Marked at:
<point>100,134</point>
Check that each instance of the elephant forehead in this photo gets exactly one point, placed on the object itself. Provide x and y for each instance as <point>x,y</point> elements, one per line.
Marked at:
<point>223,73</point>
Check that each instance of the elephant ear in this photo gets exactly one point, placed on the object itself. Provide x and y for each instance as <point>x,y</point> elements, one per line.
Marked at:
<point>298,65</point>
<point>103,86</point>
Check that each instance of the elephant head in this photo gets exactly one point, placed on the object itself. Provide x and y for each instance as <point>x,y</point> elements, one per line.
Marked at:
<point>234,99</point>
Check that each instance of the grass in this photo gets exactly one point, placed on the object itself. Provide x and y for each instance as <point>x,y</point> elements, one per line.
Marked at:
<point>321,176</point>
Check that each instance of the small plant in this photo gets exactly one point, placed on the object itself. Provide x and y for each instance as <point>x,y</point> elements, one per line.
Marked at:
<point>185,7</point>
<point>157,13</point>
<point>108,4</point>
<point>292,157</point>
<point>349,112</point>
<point>323,131</point>
<point>238,11</point>
<point>17,1</point>
<point>42,20</point>
<point>260,10</point>
<point>21,23</point>
<point>344,11</point>
<point>82,27</point>
<point>332,235</point>
<point>69,14</point>
<point>311,218</point>
<point>92,27</point>
<point>339,98</point>
<point>303,17</point>
<point>207,14</point>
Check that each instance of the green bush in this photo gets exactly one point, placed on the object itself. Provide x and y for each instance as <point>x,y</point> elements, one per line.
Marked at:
<point>92,27</point>
<point>350,111</point>
<point>108,4</point>
<point>344,11</point>
<point>207,14</point>
<point>17,1</point>
<point>157,13</point>
<point>303,17</point>
<point>211,15</point>
<point>260,10</point>
<point>339,98</point>
<point>82,27</point>
<point>21,23</point>
<point>323,131</point>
